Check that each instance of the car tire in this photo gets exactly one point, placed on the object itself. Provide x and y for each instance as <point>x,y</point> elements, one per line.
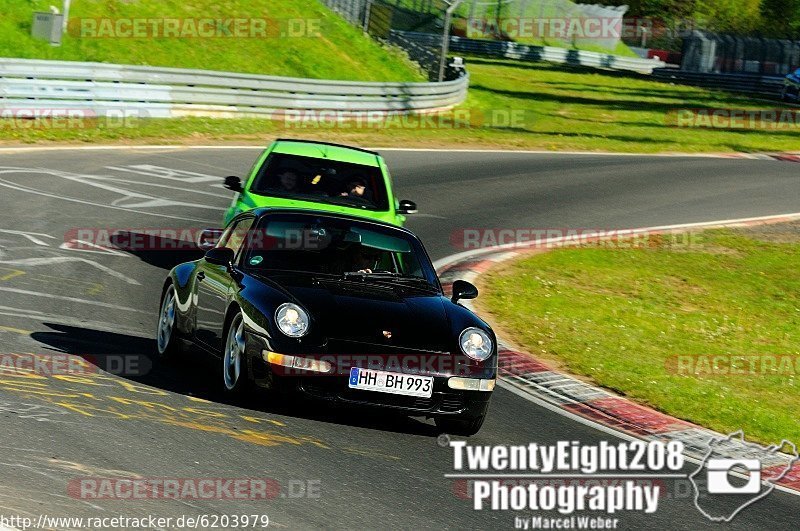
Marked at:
<point>235,376</point>
<point>460,426</point>
<point>168,344</point>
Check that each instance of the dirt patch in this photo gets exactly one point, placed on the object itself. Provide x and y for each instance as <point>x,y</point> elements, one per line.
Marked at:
<point>788,232</point>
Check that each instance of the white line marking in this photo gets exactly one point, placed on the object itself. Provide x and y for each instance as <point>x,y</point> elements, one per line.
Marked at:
<point>13,186</point>
<point>566,476</point>
<point>30,236</point>
<point>18,310</point>
<point>423,215</point>
<point>563,412</point>
<point>161,172</point>
<point>122,147</point>
<point>33,262</point>
<point>72,299</point>
<point>171,187</point>
<point>90,180</point>
<point>601,427</point>
<point>71,321</point>
<point>68,246</point>
<point>732,155</point>
<point>447,260</point>
<point>557,153</point>
<point>157,202</point>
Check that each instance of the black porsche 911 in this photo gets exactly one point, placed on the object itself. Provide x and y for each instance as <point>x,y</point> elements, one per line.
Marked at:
<point>337,308</point>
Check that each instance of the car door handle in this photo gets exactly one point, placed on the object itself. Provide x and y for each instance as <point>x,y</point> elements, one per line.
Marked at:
<point>200,276</point>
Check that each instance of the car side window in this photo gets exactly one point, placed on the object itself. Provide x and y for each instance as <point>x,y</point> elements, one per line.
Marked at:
<point>236,235</point>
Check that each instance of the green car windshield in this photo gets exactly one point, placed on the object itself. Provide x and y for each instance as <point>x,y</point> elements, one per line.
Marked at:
<point>322,181</point>
<point>331,246</point>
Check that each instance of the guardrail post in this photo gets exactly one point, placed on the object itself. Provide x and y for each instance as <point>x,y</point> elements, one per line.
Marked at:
<point>448,19</point>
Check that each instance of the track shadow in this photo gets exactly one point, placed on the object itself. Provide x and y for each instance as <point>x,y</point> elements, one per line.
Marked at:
<point>198,374</point>
<point>156,250</point>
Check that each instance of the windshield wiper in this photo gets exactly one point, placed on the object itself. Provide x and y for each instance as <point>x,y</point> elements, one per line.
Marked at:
<point>377,275</point>
<point>389,276</point>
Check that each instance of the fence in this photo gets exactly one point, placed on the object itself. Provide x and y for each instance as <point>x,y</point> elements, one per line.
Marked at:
<point>511,50</point>
<point>493,19</point>
<point>752,84</point>
<point>354,11</point>
<point>398,21</point>
<point>169,92</point>
<point>712,53</point>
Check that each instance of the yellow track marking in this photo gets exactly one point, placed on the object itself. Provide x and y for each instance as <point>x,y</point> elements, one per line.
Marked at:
<point>16,330</point>
<point>256,420</point>
<point>13,274</point>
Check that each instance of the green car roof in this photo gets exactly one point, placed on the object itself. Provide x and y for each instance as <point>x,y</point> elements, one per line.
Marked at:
<point>305,148</point>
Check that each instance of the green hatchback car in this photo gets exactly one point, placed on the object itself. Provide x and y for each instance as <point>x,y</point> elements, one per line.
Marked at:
<point>311,175</point>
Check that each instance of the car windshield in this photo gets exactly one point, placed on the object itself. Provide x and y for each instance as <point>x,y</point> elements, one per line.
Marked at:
<point>329,246</point>
<point>322,181</point>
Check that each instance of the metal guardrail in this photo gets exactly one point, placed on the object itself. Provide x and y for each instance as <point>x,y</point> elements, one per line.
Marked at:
<point>751,84</point>
<point>170,92</point>
<point>524,52</point>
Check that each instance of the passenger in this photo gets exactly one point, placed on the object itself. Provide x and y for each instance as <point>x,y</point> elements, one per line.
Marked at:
<point>356,187</point>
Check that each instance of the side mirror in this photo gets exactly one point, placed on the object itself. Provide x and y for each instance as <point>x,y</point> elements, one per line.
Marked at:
<point>233,183</point>
<point>220,256</point>
<point>463,290</point>
<point>209,238</point>
<point>407,207</point>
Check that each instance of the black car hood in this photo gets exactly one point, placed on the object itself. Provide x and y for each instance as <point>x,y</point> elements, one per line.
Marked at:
<point>358,316</point>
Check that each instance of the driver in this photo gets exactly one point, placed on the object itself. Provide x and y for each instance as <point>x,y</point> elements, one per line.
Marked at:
<point>289,181</point>
<point>366,259</point>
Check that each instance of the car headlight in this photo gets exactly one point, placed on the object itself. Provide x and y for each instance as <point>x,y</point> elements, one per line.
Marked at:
<point>292,320</point>
<point>475,343</point>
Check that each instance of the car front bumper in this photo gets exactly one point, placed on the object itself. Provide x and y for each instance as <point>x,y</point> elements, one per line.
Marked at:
<point>443,401</point>
<point>334,388</point>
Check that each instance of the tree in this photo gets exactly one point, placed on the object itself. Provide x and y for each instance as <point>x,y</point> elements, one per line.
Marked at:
<point>781,18</point>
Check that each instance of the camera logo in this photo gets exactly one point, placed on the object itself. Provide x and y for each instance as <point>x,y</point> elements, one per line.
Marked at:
<point>718,470</point>
<point>735,474</point>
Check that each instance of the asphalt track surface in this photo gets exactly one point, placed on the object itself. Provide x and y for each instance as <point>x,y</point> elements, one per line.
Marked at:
<point>372,471</point>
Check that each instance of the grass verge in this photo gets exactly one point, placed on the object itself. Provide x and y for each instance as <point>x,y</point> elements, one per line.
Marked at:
<point>707,332</point>
<point>299,38</point>
<point>512,105</point>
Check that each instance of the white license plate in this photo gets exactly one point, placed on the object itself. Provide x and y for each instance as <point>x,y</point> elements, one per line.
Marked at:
<point>391,382</point>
